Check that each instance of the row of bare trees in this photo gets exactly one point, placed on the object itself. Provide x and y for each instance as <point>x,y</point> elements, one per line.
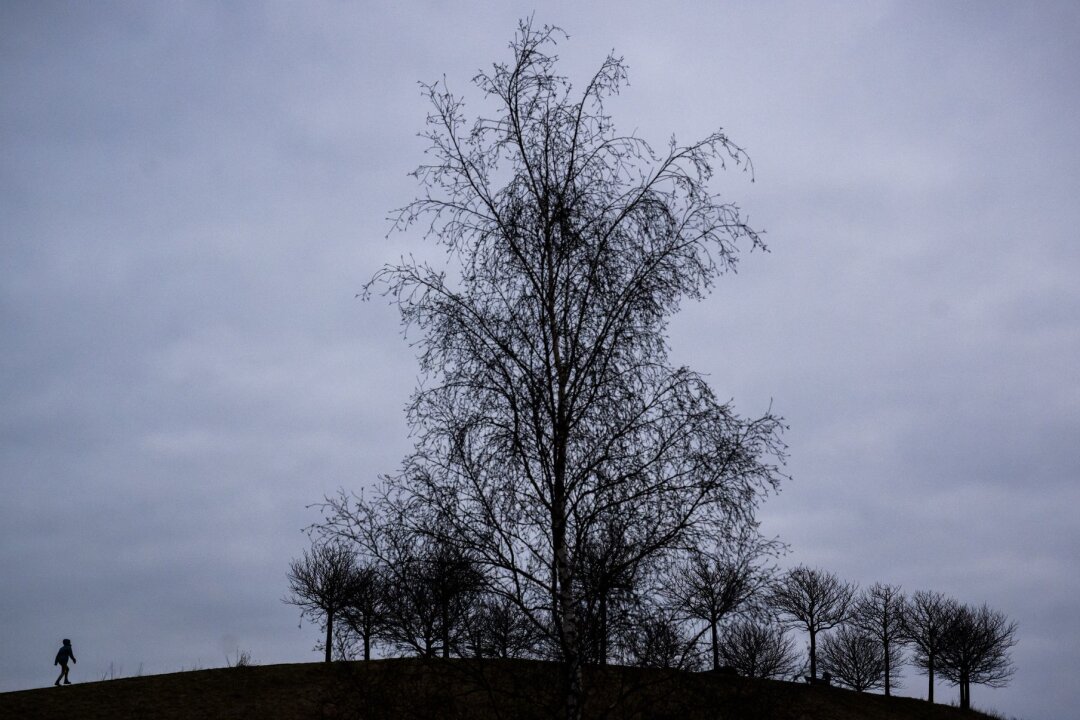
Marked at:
<point>963,644</point>
<point>729,610</point>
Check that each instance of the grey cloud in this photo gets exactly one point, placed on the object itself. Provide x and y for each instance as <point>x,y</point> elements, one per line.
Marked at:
<point>192,195</point>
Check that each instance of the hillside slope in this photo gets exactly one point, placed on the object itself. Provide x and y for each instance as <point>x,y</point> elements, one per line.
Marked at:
<point>452,689</point>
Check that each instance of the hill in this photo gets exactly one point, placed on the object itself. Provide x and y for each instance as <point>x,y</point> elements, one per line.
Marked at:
<point>452,689</point>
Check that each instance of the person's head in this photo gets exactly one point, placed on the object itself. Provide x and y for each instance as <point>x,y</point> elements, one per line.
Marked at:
<point>66,641</point>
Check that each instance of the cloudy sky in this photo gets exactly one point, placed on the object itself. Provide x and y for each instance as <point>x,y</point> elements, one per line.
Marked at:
<point>191,194</point>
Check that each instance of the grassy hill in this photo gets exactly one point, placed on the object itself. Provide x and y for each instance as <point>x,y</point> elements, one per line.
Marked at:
<point>452,689</point>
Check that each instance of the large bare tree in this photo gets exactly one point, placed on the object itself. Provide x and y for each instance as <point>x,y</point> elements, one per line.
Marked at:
<point>814,600</point>
<point>548,405</point>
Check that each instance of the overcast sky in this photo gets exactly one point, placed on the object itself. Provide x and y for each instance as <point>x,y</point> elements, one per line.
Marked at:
<point>191,194</point>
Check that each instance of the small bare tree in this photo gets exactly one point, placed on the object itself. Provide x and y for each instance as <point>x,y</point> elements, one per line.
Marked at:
<point>320,583</point>
<point>759,649</point>
<point>657,639</point>
<point>975,649</point>
<point>813,600</point>
<point>430,583</point>
<point>609,568</point>
<point>710,586</point>
<point>435,586</point>
<point>925,619</point>
<point>366,611</point>
<point>855,658</point>
<point>499,629</point>
<point>879,612</point>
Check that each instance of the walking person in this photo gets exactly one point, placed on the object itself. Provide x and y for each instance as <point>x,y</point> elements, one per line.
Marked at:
<point>62,658</point>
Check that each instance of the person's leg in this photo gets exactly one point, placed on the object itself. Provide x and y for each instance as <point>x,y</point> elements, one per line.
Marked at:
<point>61,675</point>
<point>66,681</point>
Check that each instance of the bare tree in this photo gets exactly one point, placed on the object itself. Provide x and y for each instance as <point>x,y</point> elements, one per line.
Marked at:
<point>879,612</point>
<point>813,600</point>
<point>609,570</point>
<point>367,608</point>
<point>320,583</point>
<point>435,587</point>
<point>710,586</point>
<point>657,639</point>
<point>976,650</point>
<point>855,658</point>
<point>549,406</point>
<point>499,629</point>
<point>925,620</point>
<point>759,649</point>
<point>430,583</point>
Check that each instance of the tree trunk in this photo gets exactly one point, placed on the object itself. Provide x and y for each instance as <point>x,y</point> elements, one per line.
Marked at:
<point>329,634</point>
<point>367,645</point>
<point>445,632</point>
<point>888,670</point>
<point>569,636</point>
<point>715,645</point>
<point>568,621</point>
<point>813,655</point>
<point>930,673</point>
<point>602,649</point>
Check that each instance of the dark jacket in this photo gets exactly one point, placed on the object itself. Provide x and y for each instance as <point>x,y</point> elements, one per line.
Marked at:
<point>63,655</point>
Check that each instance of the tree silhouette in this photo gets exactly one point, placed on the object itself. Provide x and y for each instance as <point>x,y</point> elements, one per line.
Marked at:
<point>499,629</point>
<point>813,600</point>
<point>975,649</point>
<point>657,639</point>
<point>758,649</point>
<point>926,617</point>
<point>320,583</point>
<point>879,612</point>
<point>710,586</point>
<point>434,591</point>
<point>548,406</point>
<point>856,658</point>
<point>609,570</point>
<point>367,608</point>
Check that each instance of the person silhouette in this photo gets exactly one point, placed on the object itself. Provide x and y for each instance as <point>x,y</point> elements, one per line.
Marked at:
<point>62,658</point>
